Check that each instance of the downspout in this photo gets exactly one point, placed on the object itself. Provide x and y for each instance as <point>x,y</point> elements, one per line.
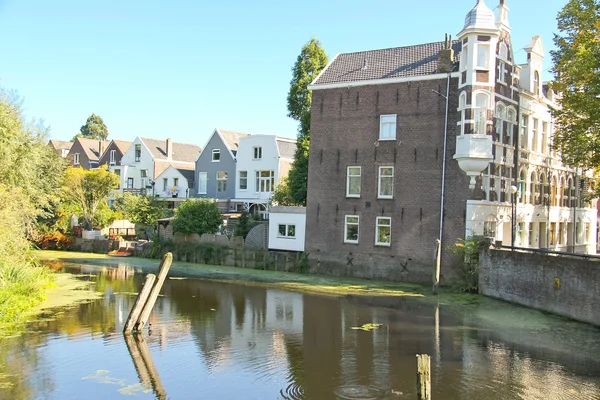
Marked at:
<point>438,261</point>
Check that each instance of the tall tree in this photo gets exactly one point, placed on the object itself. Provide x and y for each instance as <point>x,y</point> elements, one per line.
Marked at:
<point>89,190</point>
<point>310,63</point>
<point>94,128</point>
<point>577,79</point>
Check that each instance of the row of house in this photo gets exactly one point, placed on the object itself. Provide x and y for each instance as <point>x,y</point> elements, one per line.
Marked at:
<point>239,170</point>
<point>412,148</point>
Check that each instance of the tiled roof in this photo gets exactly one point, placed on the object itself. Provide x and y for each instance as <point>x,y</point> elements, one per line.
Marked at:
<point>385,63</point>
<point>287,148</point>
<point>182,152</point>
<point>161,166</point>
<point>92,147</point>
<point>122,145</point>
<point>60,144</point>
<point>232,139</point>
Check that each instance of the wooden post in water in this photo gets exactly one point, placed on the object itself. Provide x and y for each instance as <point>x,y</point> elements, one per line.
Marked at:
<point>139,303</point>
<point>163,270</point>
<point>423,377</point>
<point>144,365</point>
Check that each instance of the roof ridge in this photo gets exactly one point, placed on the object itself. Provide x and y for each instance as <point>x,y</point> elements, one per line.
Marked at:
<point>401,47</point>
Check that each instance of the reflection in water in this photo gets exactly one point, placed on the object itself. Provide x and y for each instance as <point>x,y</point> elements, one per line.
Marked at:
<point>221,340</point>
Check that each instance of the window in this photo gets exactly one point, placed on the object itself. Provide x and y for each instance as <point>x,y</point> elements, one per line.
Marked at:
<point>489,227</point>
<point>552,233</point>
<point>202,178</point>
<point>265,181</point>
<point>287,231</point>
<point>243,180</point>
<point>257,153</point>
<point>511,116</point>
<point>587,233</point>
<point>481,106</point>
<point>534,143</point>
<point>143,173</point>
<point>501,73</point>
<point>503,51</point>
<point>165,184</point>
<point>351,229</point>
<point>129,183</point>
<point>483,56</point>
<point>524,131</point>
<point>118,173</point>
<point>500,125</point>
<point>175,182</point>
<point>387,127</point>
<point>464,57</point>
<point>353,182</point>
<point>138,152</point>
<point>383,233</point>
<point>544,137</point>
<point>386,183</point>
<point>76,158</point>
<point>536,83</point>
<point>462,105</point>
<point>221,181</point>
<point>216,155</point>
<point>112,157</point>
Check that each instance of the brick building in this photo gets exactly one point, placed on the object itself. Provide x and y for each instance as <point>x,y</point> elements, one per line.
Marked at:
<point>398,135</point>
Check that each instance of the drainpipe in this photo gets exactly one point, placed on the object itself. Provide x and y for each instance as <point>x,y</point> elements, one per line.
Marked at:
<point>438,261</point>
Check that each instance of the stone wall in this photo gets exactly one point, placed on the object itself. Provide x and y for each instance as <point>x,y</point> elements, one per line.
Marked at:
<point>559,284</point>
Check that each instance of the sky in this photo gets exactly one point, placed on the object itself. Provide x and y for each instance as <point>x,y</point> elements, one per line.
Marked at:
<point>181,68</point>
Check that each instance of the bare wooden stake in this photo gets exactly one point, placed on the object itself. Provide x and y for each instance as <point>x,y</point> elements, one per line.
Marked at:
<point>139,304</point>
<point>163,270</point>
<point>423,377</point>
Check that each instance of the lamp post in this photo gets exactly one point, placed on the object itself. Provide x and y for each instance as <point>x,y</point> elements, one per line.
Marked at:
<point>513,191</point>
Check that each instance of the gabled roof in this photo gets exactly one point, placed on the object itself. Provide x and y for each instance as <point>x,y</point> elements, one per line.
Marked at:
<point>397,62</point>
<point>287,148</point>
<point>161,166</point>
<point>60,144</point>
<point>231,139</point>
<point>182,152</point>
<point>91,147</point>
<point>188,174</point>
<point>122,145</point>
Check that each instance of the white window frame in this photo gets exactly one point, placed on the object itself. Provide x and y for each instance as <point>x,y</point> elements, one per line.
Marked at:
<point>286,234</point>
<point>244,179</point>
<point>222,180</point>
<point>265,181</point>
<point>387,126</point>
<point>112,157</point>
<point>257,153</point>
<point>165,185</point>
<point>202,177</point>
<point>464,57</point>
<point>137,152</point>
<point>485,66</point>
<point>216,155</point>
<point>378,224</point>
<point>76,159</point>
<point>480,112</point>
<point>346,224</point>
<point>350,177</point>
<point>379,176</point>
<point>130,182</point>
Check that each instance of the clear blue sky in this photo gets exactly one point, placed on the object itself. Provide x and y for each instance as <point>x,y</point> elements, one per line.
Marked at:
<point>181,68</point>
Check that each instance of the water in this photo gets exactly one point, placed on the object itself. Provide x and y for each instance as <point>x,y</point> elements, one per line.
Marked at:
<point>215,340</point>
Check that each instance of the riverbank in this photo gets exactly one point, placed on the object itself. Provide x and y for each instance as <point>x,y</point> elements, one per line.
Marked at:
<point>302,283</point>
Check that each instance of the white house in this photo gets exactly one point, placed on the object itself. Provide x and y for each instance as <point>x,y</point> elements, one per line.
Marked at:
<point>146,159</point>
<point>287,226</point>
<point>174,182</point>
<point>262,160</point>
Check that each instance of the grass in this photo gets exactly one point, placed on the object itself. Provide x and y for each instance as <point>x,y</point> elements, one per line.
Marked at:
<point>302,283</point>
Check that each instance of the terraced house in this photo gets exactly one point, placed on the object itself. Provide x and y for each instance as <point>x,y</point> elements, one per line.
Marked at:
<point>418,144</point>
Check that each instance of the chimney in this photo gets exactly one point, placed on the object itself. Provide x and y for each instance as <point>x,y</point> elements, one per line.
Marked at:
<point>169,149</point>
<point>100,148</point>
<point>446,56</point>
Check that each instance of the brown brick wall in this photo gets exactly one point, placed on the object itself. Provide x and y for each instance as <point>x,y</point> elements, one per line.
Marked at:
<point>344,132</point>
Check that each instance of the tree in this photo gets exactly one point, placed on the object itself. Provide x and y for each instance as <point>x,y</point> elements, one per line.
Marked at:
<point>245,224</point>
<point>197,216</point>
<point>282,195</point>
<point>94,128</point>
<point>310,63</point>
<point>577,79</point>
<point>144,211</point>
<point>88,190</point>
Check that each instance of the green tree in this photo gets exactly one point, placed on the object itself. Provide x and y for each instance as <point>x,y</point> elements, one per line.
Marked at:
<point>197,216</point>
<point>310,63</point>
<point>94,128</point>
<point>577,79</point>
<point>143,211</point>
<point>245,224</point>
<point>282,195</point>
<point>89,190</point>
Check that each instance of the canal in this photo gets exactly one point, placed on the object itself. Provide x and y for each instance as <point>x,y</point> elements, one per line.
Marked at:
<point>220,340</point>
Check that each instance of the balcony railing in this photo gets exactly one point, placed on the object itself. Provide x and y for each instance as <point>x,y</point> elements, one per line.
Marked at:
<point>141,192</point>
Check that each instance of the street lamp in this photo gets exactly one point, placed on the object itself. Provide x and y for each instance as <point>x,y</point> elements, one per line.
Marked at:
<point>513,191</point>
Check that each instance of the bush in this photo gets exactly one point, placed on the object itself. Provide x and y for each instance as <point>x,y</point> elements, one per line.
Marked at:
<point>468,250</point>
<point>197,216</point>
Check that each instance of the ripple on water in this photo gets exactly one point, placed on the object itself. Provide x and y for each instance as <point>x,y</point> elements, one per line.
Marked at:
<point>293,391</point>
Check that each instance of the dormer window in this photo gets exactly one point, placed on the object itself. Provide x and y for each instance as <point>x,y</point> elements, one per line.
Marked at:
<point>76,158</point>
<point>536,83</point>
<point>138,152</point>
<point>216,155</point>
<point>257,150</point>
